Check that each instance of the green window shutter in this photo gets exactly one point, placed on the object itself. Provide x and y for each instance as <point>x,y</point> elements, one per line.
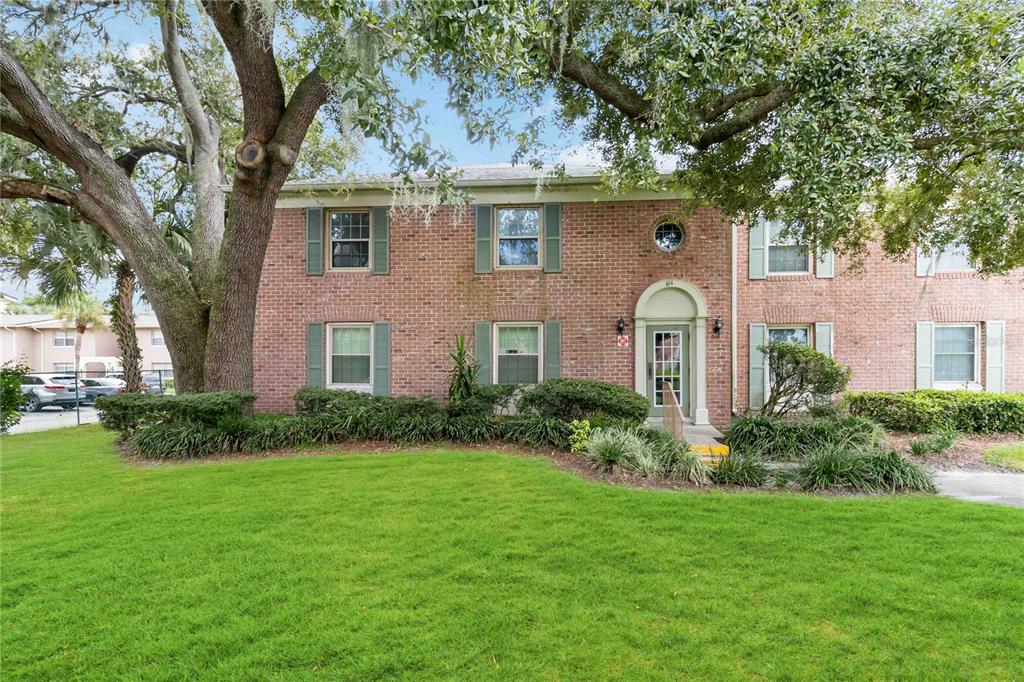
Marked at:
<point>826,266</point>
<point>484,232</point>
<point>314,241</point>
<point>925,263</point>
<point>758,370</point>
<point>995,355</point>
<point>381,358</point>
<point>925,356</point>
<point>381,230</point>
<point>552,349</point>
<point>823,337</point>
<point>552,237</point>
<point>315,354</point>
<point>482,347</point>
<point>758,249</point>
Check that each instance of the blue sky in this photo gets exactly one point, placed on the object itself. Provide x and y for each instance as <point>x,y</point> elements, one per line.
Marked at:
<point>443,126</point>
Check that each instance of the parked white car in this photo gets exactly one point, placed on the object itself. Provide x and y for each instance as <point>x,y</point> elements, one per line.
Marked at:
<point>43,390</point>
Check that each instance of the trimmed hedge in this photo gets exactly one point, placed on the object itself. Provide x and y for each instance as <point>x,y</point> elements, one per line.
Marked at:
<point>783,438</point>
<point>569,399</point>
<point>929,410</point>
<point>126,412</point>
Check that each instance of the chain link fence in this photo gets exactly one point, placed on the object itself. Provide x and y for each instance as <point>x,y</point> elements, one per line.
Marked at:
<point>57,390</point>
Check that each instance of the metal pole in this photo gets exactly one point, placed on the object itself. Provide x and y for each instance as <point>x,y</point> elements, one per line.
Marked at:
<point>78,403</point>
<point>160,378</point>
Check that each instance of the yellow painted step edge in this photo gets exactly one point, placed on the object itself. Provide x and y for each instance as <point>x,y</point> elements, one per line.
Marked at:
<point>710,450</point>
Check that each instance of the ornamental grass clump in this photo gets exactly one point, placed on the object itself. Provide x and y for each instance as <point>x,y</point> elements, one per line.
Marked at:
<point>610,448</point>
<point>740,469</point>
<point>934,444</point>
<point>862,471</point>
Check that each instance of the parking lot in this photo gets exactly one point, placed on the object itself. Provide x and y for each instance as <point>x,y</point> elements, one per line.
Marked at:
<point>53,418</point>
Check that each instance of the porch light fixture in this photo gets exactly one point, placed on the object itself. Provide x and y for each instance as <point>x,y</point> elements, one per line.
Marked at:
<point>717,326</point>
<point>620,324</point>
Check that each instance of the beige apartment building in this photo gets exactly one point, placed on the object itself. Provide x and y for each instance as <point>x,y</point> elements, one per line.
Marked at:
<point>47,344</point>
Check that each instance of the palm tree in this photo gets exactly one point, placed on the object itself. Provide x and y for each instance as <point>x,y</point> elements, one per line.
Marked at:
<point>84,312</point>
<point>66,258</point>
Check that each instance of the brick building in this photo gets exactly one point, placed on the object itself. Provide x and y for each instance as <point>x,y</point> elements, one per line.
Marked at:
<point>565,281</point>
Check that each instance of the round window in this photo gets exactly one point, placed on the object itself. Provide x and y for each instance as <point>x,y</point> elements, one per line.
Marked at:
<point>668,237</point>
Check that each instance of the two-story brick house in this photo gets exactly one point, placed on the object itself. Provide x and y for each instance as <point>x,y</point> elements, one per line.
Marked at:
<point>563,280</point>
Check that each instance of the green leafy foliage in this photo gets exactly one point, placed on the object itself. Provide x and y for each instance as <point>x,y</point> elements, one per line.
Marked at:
<point>801,376</point>
<point>761,107</point>
<point>836,468</point>
<point>612,447</point>
<point>780,438</point>
<point>462,376</point>
<point>126,412</point>
<point>647,452</point>
<point>537,431</point>
<point>579,439</point>
<point>741,469</point>
<point>1009,456</point>
<point>11,397</point>
<point>936,443</point>
<point>930,410</point>
<point>570,399</point>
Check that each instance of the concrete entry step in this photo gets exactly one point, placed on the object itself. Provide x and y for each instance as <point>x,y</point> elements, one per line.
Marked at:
<point>703,440</point>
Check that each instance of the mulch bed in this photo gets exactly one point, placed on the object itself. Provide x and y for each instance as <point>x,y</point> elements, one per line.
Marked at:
<point>967,452</point>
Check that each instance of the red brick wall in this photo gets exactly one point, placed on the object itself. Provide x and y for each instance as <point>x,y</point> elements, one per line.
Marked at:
<point>432,294</point>
<point>874,313</point>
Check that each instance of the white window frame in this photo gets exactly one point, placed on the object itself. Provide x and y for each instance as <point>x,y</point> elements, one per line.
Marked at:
<point>66,336</point>
<point>497,239</point>
<point>365,388</point>
<point>540,348</point>
<point>329,243</point>
<point>933,268</point>
<point>63,368</point>
<point>768,339</point>
<point>157,334</point>
<point>975,383</point>
<point>768,249</point>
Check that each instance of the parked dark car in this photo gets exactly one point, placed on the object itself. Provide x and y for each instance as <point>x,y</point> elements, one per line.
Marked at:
<point>94,388</point>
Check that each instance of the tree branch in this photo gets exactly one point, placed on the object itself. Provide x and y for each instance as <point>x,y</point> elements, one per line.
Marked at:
<point>743,121</point>
<point>602,83</point>
<point>12,124</point>
<point>24,188</point>
<point>263,101</point>
<point>191,104</point>
<point>310,94</point>
<point>726,102</point>
<point>131,158</point>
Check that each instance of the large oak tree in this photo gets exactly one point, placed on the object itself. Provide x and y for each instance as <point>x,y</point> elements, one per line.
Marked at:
<point>857,121</point>
<point>78,156</point>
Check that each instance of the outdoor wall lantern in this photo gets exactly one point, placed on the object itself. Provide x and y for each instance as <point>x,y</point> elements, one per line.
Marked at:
<point>717,326</point>
<point>620,324</point>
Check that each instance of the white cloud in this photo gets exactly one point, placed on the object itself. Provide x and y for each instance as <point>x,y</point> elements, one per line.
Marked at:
<point>138,52</point>
<point>588,154</point>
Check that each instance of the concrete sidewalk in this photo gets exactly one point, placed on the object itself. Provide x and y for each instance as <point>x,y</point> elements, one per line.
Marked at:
<point>982,486</point>
<point>50,418</point>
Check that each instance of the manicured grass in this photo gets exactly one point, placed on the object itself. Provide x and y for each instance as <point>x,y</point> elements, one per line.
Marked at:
<point>1006,456</point>
<point>474,565</point>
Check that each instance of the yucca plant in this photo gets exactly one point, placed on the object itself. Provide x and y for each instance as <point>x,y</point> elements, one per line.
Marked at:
<point>462,376</point>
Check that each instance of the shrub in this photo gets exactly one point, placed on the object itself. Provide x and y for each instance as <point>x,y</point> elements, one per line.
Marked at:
<point>11,397</point>
<point>172,441</point>
<point>579,437</point>
<point>497,396</point>
<point>310,401</point>
<point>126,412</point>
<point>675,458</point>
<point>536,431</point>
<point>938,442</point>
<point>462,376</point>
<point>863,471</point>
<point>470,428</point>
<point>779,438</point>
<point>800,376</point>
<point>930,410</point>
<point>738,468</point>
<point>609,448</point>
<point>570,399</point>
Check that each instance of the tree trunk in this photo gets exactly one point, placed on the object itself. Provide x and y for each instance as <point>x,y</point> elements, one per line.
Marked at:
<point>122,320</point>
<point>79,333</point>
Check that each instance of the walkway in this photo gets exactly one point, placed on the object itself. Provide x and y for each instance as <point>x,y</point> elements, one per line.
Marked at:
<point>982,486</point>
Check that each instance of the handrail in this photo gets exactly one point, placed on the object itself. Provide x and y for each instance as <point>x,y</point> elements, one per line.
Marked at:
<point>672,413</point>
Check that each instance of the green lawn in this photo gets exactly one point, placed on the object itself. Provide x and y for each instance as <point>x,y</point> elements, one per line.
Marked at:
<point>1009,456</point>
<point>474,565</point>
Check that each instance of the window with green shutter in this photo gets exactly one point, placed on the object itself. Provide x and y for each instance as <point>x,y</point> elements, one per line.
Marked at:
<point>349,351</point>
<point>517,358</point>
